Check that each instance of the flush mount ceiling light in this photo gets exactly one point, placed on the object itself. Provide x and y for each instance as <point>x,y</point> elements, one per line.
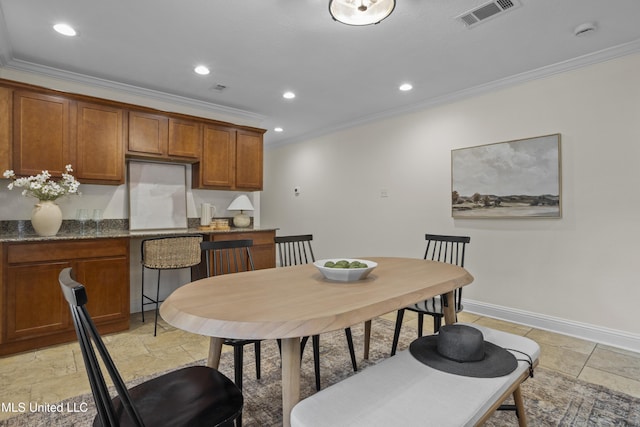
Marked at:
<point>202,70</point>
<point>288,95</point>
<point>65,29</point>
<point>405,87</point>
<point>360,12</point>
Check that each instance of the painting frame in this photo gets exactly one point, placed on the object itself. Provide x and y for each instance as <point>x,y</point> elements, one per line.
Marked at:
<point>521,178</point>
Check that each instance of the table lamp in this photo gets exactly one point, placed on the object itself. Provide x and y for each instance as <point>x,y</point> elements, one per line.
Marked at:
<point>241,203</point>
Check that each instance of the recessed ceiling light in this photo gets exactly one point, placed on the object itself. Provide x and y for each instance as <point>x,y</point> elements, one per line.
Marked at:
<point>405,87</point>
<point>288,95</point>
<point>202,70</point>
<point>65,29</point>
<point>278,129</point>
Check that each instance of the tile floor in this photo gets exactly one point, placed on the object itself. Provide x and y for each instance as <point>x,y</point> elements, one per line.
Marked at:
<point>56,373</point>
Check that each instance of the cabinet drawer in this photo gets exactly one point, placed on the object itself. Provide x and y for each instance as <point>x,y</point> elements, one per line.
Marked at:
<point>258,237</point>
<point>19,253</point>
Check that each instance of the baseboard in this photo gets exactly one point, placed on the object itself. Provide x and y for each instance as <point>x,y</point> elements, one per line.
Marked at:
<point>602,335</point>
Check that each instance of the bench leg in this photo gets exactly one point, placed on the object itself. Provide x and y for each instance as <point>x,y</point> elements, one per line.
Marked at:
<point>522,416</point>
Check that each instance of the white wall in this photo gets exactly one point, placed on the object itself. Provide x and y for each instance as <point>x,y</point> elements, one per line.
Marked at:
<point>577,274</point>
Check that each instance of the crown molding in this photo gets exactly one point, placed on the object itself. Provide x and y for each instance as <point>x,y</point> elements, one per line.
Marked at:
<point>25,66</point>
<point>625,49</point>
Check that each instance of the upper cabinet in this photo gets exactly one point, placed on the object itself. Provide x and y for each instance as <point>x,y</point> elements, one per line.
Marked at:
<point>185,138</point>
<point>161,137</point>
<point>231,159</point>
<point>99,140</point>
<point>5,129</point>
<point>215,169</point>
<point>50,132</point>
<point>249,160</point>
<point>42,129</point>
<point>40,133</point>
<point>148,134</point>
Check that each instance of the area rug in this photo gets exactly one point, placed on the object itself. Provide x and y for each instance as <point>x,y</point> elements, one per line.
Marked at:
<point>551,399</point>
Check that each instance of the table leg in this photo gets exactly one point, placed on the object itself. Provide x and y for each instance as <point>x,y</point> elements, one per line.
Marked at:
<point>290,377</point>
<point>215,349</point>
<point>367,338</point>
<point>450,310</point>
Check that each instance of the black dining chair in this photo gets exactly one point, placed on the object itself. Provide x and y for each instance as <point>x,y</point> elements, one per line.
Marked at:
<point>191,396</point>
<point>449,249</point>
<point>296,250</point>
<point>227,257</point>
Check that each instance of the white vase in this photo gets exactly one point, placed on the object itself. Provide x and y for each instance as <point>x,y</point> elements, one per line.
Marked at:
<point>46,218</point>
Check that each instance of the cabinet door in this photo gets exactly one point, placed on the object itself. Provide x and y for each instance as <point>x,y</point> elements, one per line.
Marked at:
<point>5,128</point>
<point>216,167</point>
<point>99,144</point>
<point>248,160</point>
<point>185,138</point>
<point>41,133</point>
<point>148,134</point>
<point>263,251</point>
<point>107,283</point>
<point>35,305</point>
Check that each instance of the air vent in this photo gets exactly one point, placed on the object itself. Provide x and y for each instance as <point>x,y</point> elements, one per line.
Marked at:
<point>486,11</point>
<point>219,87</point>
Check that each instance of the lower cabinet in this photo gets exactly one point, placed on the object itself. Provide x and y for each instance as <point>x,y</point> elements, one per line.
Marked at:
<point>263,250</point>
<point>34,312</point>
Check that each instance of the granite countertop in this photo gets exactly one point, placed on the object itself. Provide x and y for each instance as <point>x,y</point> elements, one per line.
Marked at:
<point>21,231</point>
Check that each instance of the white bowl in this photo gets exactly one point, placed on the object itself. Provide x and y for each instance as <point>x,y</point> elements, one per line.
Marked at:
<point>345,274</point>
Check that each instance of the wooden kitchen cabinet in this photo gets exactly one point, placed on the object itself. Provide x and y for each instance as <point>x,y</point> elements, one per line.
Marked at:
<point>50,132</point>
<point>231,159</point>
<point>99,139</point>
<point>185,138</point>
<point>216,166</point>
<point>42,129</point>
<point>160,137</point>
<point>5,128</point>
<point>148,134</point>
<point>248,160</point>
<point>34,312</point>
<point>40,133</point>
<point>263,250</point>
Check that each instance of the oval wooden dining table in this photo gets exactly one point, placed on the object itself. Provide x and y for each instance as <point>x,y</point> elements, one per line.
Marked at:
<point>293,302</point>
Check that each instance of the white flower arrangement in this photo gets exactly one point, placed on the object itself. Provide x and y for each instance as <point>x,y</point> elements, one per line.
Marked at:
<point>42,187</point>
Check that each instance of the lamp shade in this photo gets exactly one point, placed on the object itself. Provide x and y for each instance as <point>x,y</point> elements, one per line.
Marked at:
<point>360,12</point>
<point>241,203</point>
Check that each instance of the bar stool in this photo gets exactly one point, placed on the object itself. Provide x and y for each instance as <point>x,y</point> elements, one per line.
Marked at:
<point>167,253</point>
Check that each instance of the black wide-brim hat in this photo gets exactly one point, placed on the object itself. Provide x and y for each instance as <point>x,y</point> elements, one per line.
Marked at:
<point>462,350</point>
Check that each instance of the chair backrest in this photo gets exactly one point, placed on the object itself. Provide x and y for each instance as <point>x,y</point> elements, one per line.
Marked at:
<point>171,252</point>
<point>449,249</point>
<point>90,340</point>
<point>227,256</point>
<point>295,250</point>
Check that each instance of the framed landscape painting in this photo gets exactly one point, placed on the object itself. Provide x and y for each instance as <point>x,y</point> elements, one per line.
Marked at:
<point>513,179</point>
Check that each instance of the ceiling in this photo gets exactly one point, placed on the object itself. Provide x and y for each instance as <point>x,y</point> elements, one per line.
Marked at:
<point>341,75</point>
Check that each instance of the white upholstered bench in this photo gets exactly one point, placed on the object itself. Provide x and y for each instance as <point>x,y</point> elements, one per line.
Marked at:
<point>401,391</point>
